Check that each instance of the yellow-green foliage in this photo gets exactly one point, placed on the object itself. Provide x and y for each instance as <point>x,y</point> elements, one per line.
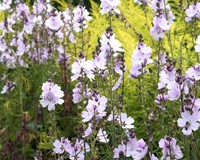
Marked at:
<point>1,16</point>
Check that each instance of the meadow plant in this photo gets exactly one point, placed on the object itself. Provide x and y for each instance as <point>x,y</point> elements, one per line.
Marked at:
<point>71,104</point>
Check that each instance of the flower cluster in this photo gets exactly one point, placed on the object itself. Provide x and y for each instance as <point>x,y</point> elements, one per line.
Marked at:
<point>5,4</point>
<point>51,95</point>
<point>162,20</point>
<point>95,108</point>
<point>54,22</point>
<point>122,119</point>
<point>169,148</point>
<point>42,33</point>
<point>193,73</point>
<point>110,51</point>
<point>140,58</point>
<point>109,5</point>
<point>9,86</point>
<point>36,25</point>
<point>109,46</point>
<point>170,79</point>
<point>76,150</point>
<point>193,12</point>
<point>82,68</point>
<point>134,148</point>
<point>81,16</point>
<point>79,92</point>
<point>189,122</point>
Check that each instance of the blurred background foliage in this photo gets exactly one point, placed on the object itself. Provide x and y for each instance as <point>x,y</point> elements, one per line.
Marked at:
<point>17,108</point>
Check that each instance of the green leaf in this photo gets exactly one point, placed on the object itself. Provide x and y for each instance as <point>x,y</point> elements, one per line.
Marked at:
<point>45,145</point>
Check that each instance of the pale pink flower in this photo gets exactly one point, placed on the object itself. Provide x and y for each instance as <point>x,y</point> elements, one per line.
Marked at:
<point>9,86</point>
<point>193,12</point>
<point>120,149</point>
<point>88,130</point>
<point>102,136</point>
<point>22,9</point>
<point>194,72</point>
<point>117,84</point>
<point>140,58</point>
<point>125,121</point>
<point>96,107</point>
<point>81,16</point>
<point>137,149</point>
<point>189,122</point>
<point>51,95</point>
<point>153,157</point>
<point>54,22</point>
<point>197,46</point>
<point>174,91</point>
<point>156,31</point>
<point>78,150</point>
<point>58,147</point>
<point>5,4</point>
<point>80,68</point>
<point>108,5</point>
<point>169,148</point>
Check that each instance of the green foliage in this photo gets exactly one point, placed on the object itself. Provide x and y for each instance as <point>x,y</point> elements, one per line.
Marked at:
<point>1,16</point>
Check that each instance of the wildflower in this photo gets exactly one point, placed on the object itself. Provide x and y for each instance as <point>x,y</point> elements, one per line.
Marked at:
<point>140,58</point>
<point>117,84</point>
<point>80,68</point>
<point>194,72</point>
<point>167,75</point>
<point>173,90</point>
<point>161,98</point>
<point>81,16</point>
<point>39,7</point>
<point>54,22</point>
<point>193,12</point>
<point>102,136</point>
<point>63,58</point>
<point>160,25</point>
<point>5,4</point>
<point>197,46</point>
<point>158,4</point>
<point>189,122</point>
<point>108,5</point>
<point>9,86</point>
<point>137,149</point>
<point>88,131</point>
<point>169,148</point>
<point>124,121</point>
<point>109,46</point>
<point>108,41</point>
<point>22,9</point>
<point>120,149</point>
<point>100,61</point>
<point>163,20</point>
<point>77,150</point>
<point>96,107</point>
<point>156,31</point>
<point>153,157</point>
<point>61,146</point>
<point>51,95</point>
